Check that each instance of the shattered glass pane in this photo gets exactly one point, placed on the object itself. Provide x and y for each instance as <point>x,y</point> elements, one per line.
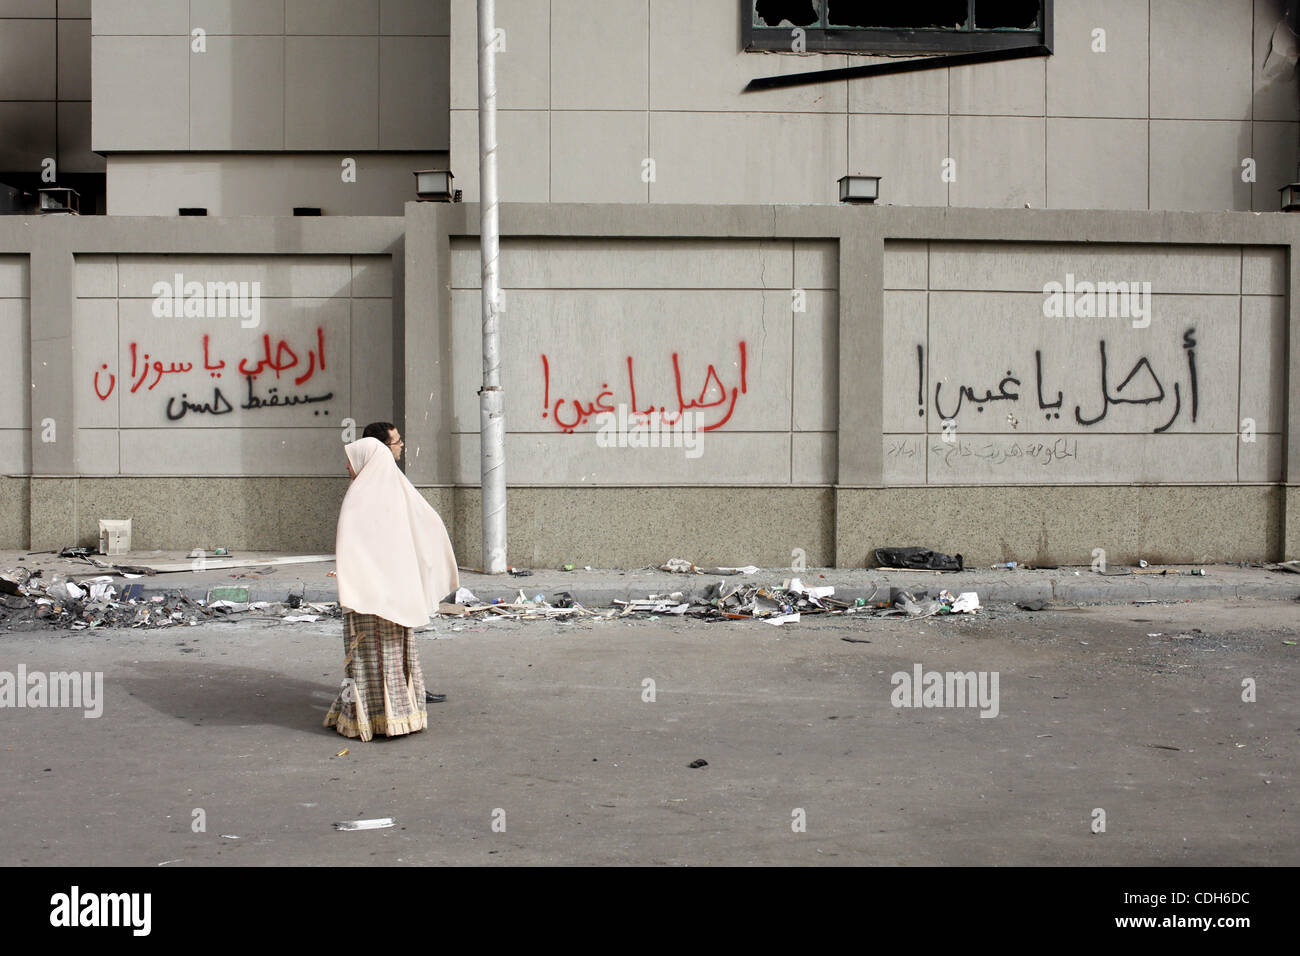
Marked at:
<point>1006,14</point>
<point>787,13</point>
<point>916,15</point>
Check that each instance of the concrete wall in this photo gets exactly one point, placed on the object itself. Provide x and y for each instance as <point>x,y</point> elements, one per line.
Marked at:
<point>1183,448</point>
<point>661,324</point>
<point>88,436</point>
<point>798,430</point>
<point>261,184</point>
<point>1162,119</point>
<point>201,394</point>
<point>15,365</point>
<point>1192,389</point>
<point>358,79</point>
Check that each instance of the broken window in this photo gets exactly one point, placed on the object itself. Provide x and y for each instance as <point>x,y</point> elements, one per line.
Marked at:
<point>888,26</point>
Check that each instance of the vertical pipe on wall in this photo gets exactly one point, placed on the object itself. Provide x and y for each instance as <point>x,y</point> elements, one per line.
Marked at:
<point>492,462</point>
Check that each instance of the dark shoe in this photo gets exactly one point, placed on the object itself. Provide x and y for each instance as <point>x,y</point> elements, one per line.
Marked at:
<point>434,698</point>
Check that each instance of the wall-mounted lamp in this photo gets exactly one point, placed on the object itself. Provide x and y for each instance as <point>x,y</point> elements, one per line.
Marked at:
<point>859,189</point>
<point>1290,197</point>
<point>433,185</point>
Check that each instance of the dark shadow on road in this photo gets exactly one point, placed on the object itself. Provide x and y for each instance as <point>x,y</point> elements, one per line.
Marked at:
<point>205,693</point>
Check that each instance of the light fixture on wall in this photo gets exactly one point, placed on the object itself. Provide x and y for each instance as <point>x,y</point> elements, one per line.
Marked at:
<point>1290,197</point>
<point>859,189</point>
<point>58,199</point>
<point>433,185</point>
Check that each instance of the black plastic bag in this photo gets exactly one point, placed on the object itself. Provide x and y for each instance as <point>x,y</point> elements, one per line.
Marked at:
<point>917,559</point>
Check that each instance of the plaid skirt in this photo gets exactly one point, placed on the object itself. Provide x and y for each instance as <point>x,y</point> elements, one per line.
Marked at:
<point>383,691</point>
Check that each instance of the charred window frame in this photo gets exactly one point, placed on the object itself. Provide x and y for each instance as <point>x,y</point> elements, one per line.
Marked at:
<point>890,26</point>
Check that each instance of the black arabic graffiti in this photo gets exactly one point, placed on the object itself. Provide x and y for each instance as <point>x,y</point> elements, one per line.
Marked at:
<point>220,405</point>
<point>1141,386</point>
<point>255,402</point>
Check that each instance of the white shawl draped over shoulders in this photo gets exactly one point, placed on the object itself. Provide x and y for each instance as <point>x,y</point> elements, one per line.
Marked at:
<point>393,554</point>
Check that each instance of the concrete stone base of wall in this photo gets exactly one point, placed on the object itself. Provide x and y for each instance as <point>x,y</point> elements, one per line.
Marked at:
<point>634,527</point>
<point>247,514</point>
<point>15,512</point>
<point>1181,524</point>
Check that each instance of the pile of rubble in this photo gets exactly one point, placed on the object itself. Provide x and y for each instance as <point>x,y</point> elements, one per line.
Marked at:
<point>723,601</point>
<point>29,601</point>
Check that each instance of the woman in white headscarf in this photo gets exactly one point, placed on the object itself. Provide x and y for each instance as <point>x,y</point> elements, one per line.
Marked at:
<point>395,564</point>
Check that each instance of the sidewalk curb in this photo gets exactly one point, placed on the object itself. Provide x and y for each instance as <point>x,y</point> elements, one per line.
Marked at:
<point>1173,589</point>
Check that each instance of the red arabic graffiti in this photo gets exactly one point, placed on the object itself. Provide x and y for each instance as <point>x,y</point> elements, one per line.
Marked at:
<point>569,413</point>
<point>278,358</point>
<point>112,381</point>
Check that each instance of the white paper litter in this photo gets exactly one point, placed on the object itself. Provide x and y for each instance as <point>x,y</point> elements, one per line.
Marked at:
<point>381,823</point>
<point>299,618</point>
<point>783,619</point>
<point>466,597</point>
<point>229,605</point>
<point>101,590</point>
<point>747,569</point>
<point>967,603</point>
<point>798,587</point>
<point>677,566</point>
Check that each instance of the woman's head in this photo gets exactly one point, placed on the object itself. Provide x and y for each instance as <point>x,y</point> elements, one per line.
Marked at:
<point>365,450</point>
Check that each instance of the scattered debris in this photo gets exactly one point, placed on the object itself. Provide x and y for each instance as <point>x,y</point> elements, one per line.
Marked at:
<point>87,602</point>
<point>114,536</point>
<point>968,602</point>
<point>698,763</point>
<point>382,823</point>
<point>1036,604</point>
<point>210,562</point>
<point>783,619</point>
<point>682,566</point>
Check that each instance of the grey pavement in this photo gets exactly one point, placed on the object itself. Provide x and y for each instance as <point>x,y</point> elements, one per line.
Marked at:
<point>600,587</point>
<point>572,743</point>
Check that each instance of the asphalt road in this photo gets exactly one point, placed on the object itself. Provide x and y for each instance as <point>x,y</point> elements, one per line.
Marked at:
<point>547,736</point>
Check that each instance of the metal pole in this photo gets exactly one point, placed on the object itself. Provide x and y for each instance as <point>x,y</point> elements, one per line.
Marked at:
<point>492,425</point>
